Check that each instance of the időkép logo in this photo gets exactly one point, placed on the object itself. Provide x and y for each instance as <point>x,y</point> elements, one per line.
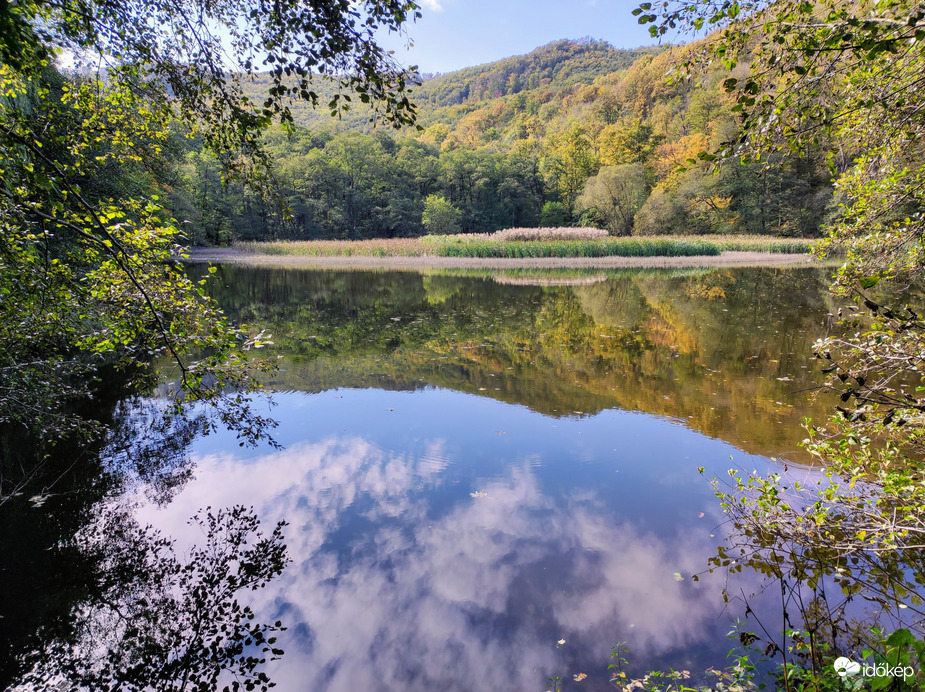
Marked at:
<point>845,667</point>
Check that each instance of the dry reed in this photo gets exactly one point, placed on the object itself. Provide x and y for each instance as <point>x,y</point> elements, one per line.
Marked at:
<point>436,245</point>
<point>558,233</point>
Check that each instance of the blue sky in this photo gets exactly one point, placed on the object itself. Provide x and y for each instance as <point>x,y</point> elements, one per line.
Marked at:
<point>453,34</point>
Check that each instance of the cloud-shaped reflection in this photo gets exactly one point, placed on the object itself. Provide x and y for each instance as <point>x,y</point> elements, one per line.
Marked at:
<point>390,591</point>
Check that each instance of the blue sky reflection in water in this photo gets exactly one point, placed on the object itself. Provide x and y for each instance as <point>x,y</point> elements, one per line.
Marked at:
<point>402,579</point>
<point>452,512</point>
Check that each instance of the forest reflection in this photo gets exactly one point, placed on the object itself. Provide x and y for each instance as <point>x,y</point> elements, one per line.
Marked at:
<point>729,352</point>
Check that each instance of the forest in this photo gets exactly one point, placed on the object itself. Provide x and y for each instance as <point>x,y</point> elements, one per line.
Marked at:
<point>574,133</point>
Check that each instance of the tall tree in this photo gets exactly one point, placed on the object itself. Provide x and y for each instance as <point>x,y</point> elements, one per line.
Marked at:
<point>846,77</point>
<point>569,161</point>
<point>617,193</point>
<point>85,245</point>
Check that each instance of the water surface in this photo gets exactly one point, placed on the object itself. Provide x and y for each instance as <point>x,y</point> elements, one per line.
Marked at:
<point>478,467</point>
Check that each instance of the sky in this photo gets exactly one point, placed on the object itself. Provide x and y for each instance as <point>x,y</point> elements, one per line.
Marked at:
<point>453,34</point>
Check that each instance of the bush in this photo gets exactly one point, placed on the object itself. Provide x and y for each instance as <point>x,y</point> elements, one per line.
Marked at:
<point>662,214</point>
<point>553,214</point>
<point>440,217</point>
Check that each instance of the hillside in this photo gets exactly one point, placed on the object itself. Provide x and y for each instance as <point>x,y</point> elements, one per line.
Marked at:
<point>575,132</point>
<point>557,65</point>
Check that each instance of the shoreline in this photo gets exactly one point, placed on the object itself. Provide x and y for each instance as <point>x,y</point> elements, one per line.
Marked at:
<point>725,259</point>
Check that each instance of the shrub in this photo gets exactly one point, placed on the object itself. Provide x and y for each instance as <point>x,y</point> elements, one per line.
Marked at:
<point>440,217</point>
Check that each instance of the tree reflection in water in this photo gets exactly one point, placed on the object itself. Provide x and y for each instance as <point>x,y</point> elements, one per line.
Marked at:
<point>807,537</point>
<point>156,621</point>
<point>93,600</point>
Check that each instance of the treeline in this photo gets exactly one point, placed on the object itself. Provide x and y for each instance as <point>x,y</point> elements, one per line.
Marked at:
<point>573,133</point>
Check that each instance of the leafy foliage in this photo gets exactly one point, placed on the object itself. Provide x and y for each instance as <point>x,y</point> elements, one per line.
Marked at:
<point>616,193</point>
<point>440,217</point>
<point>158,622</point>
<point>805,666</point>
<point>836,76</point>
<point>846,78</point>
<point>87,247</point>
<point>90,278</point>
<point>178,61</point>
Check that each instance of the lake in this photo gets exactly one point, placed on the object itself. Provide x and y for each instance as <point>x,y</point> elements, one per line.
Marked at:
<point>491,479</point>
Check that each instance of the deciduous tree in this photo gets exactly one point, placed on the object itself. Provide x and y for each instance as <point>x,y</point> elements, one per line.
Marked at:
<point>86,247</point>
<point>440,217</point>
<point>845,77</point>
<point>617,193</point>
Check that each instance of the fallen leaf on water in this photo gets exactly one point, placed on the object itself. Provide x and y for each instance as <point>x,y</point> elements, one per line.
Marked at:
<point>478,493</point>
<point>580,676</point>
<point>560,642</point>
<point>700,516</point>
<point>678,577</point>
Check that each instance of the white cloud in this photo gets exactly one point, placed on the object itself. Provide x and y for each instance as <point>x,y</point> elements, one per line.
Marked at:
<point>424,599</point>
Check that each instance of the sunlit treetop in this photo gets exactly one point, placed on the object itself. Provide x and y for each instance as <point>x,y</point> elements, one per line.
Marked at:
<point>843,77</point>
<point>191,57</point>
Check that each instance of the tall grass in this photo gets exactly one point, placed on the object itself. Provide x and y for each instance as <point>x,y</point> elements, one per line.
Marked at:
<point>762,243</point>
<point>532,242</point>
<point>461,246</point>
<point>376,247</point>
<point>557,233</point>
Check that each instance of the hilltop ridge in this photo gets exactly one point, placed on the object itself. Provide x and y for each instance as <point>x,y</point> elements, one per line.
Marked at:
<point>559,65</point>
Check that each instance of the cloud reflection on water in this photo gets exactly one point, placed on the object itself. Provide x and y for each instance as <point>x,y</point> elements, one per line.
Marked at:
<point>387,590</point>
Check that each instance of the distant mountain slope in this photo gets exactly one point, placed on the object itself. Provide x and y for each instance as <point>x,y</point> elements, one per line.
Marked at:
<point>558,65</point>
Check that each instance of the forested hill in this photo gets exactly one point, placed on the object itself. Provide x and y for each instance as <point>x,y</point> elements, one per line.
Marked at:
<point>573,133</point>
<point>558,64</point>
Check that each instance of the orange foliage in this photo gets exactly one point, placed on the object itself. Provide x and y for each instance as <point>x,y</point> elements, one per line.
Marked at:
<point>670,155</point>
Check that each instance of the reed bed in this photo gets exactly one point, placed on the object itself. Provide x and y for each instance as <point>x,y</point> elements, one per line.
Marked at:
<point>557,233</point>
<point>762,243</point>
<point>376,247</point>
<point>531,242</point>
<point>462,246</point>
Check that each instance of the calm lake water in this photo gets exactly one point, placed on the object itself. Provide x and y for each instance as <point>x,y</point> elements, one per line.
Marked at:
<point>477,467</point>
